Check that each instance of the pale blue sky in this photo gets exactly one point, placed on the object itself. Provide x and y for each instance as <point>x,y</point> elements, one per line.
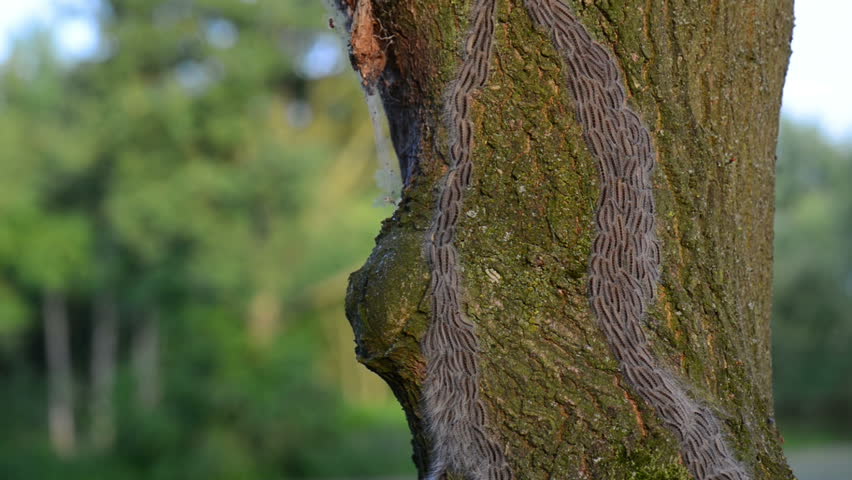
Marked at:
<point>819,79</point>
<point>75,34</point>
<point>817,87</point>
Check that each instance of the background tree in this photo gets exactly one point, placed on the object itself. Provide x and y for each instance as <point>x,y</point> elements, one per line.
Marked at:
<point>708,83</point>
<point>813,281</point>
<point>194,253</point>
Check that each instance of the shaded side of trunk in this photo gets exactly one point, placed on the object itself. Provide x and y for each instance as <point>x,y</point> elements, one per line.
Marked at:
<point>706,79</point>
<point>145,360</point>
<point>60,379</point>
<point>102,371</point>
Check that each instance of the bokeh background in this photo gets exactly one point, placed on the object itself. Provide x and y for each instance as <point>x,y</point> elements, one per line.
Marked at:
<point>185,186</point>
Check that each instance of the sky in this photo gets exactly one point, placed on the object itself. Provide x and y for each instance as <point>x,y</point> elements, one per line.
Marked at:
<point>818,78</point>
<point>75,35</point>
<point>816,89</point>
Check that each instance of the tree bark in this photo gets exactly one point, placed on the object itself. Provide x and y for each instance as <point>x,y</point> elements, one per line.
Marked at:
<point>145,360</point>
<point>60,379</point>
<point>705,78</point>
<point>103,361</point>
<point>264,317</point>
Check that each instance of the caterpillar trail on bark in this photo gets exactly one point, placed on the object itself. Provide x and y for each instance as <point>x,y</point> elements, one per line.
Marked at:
<point>455,415</point>
<point>625,259</point>
<point>623,273</point>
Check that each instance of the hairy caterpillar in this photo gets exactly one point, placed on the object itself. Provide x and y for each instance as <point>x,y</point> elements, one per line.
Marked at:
<point>625,259</point>
<point>623,272</point>
<point>456,417</point>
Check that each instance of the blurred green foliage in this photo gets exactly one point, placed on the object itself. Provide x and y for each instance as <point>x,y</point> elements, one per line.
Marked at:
<point>196,168</point>
<point>812,325</point>
<point>206,167</point>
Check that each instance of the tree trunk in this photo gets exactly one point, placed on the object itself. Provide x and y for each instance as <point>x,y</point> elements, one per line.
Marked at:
<point>60,380</point>
<point>145,360</point>
<point>103,361</point>
<point>264,317</point>
<point>577,281</point>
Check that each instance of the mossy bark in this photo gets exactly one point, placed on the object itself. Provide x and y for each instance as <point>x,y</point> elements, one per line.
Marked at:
<point>706,78</point>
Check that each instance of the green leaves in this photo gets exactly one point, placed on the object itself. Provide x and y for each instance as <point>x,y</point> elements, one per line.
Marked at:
<point>201,175</point>
<point>813,278</point>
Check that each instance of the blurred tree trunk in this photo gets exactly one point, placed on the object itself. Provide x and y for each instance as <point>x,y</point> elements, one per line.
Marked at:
<point>264,317</point>
<point>60,378</point>
<point>103,361</point>
<point>145,360</point>
<point>706,79</point>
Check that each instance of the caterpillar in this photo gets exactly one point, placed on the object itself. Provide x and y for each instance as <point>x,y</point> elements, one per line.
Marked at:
<point>624,266</point>
<point>455,414</point>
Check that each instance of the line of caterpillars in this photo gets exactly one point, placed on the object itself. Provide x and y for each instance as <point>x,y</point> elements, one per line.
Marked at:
<point>623,272</point>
